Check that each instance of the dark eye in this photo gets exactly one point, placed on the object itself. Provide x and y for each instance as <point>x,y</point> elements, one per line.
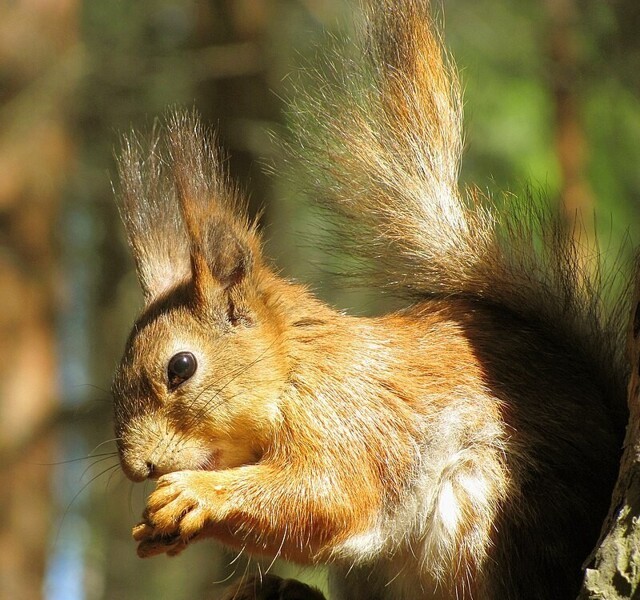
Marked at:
<point>181,366</point>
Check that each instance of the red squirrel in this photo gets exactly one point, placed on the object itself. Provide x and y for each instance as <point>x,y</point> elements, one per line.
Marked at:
<point>464,447</point>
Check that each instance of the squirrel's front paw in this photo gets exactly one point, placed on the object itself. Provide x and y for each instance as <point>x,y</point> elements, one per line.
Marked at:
<point>178,510</point>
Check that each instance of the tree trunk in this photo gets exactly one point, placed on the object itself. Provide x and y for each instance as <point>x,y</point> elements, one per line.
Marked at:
<point>34,156</point>
<point>613,572</point>
<point>570,139</point>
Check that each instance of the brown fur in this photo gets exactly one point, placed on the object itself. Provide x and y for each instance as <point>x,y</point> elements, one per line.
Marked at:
<point>461,448</point>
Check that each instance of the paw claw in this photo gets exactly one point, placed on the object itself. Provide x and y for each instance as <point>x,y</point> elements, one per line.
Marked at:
<point>159,545</point>
<point>141,531</point>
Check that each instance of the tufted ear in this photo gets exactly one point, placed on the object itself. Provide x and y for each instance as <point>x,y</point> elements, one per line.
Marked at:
<point>223,246</point>
<point>184,219</point>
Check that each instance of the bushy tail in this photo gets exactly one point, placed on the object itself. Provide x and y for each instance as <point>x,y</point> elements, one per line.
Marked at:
<point>384,139</point>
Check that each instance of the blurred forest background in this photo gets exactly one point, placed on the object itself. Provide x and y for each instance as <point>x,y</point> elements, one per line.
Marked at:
<point>552,98</point>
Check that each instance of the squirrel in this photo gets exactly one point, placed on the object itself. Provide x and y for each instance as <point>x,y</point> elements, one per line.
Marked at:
<point>464,447</point>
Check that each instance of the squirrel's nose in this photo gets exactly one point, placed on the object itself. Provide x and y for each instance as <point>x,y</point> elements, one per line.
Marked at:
<point>138,470</point>
<point>152,470</point>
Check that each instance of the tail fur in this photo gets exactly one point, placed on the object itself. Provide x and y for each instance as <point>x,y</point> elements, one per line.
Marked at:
<point>385,143</point>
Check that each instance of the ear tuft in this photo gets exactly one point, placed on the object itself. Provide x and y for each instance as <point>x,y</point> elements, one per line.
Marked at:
<point>147,206</point>
<point>183,216</point>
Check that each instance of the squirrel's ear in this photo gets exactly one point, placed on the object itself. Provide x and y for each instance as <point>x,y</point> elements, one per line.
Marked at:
<point>227,250</point>
<point>184,220</point>
<point>223,249</point>
<point>223,246</point>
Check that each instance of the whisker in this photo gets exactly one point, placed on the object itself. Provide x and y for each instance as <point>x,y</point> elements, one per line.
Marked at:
<point>74,460</point>
<point>227,578</point>
<point>114,472</point>
<point>98,461</point>
<point>279,552</point>
<point>95,387</point>
<point>75,497</point>
<point>238,555</point>
<point>243,577</point>
<point>112,440</point>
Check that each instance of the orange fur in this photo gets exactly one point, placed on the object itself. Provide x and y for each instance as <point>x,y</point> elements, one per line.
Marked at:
<point>461,448</point>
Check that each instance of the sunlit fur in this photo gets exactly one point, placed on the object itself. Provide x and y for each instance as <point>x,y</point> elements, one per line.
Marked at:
<point>461,448</point>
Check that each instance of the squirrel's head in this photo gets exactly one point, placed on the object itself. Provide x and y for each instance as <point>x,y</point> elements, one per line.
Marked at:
<point>202,372</point>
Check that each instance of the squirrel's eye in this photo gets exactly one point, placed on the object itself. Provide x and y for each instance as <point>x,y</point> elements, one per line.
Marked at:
<point>181,366</point>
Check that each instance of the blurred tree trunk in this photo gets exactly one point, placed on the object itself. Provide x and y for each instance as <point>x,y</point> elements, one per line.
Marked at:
<point>613,570</point>
<point>571,143</point>
<point>35,151</point>
<point>241,101</point>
